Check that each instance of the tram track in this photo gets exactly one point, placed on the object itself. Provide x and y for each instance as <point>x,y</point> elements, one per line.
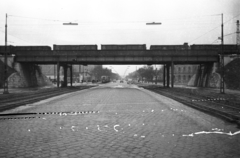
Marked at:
<point>213,103</point>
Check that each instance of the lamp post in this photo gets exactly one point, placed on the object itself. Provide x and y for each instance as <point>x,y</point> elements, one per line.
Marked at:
<point>5,78</point>
<point>154,23</point>
<point>70,23</point>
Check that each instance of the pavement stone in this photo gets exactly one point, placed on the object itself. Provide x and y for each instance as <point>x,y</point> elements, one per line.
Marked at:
<point>128,122</point>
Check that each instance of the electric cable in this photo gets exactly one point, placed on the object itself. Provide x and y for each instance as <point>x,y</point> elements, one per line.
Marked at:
<point>204,34</point>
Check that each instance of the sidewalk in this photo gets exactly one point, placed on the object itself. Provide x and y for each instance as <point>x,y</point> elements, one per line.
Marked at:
<point>24,90</point>
<point>216,90</point>
<point>34,89</point>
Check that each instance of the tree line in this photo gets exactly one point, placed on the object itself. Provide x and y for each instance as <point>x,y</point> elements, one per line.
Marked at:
<point>146,73</point>
<point>98,71</point>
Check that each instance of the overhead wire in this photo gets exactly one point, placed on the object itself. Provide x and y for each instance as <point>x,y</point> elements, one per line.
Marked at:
<point>38,18</point>
<point>229,34</point>
<point>215,41</point>
<point>232,18</point>
<point>204,34</point>
<point>56,20</point>
<point>15,37</point>
<point>223,36</point>
<point>216,27</point>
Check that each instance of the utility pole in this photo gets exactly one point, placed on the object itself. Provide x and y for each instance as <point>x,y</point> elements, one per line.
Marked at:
<point>222,61</point>
<point>5,78</point>
<point>238,34</point>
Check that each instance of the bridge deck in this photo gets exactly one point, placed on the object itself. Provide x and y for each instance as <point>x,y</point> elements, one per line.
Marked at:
<point>118,57</point>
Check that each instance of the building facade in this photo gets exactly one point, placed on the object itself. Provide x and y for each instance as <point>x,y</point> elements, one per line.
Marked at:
<point>183,73</point>
<point>80,72</point>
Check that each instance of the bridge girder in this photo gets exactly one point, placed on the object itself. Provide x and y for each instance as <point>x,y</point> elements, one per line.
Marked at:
<point>118,57</point>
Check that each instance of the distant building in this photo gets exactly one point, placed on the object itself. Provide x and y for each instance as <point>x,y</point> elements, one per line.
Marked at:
<point>183,73</point>
<point>80,72</point>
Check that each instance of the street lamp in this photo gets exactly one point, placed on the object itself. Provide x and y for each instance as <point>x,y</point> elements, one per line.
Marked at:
<point>5,78</point>
<point>154,23</point>
<point>70,23</point>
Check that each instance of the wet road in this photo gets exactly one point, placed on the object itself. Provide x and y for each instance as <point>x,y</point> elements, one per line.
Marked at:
<point>115,120</point>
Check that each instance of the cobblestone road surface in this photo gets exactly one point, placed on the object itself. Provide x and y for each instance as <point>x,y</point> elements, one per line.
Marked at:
<point>115,121</point>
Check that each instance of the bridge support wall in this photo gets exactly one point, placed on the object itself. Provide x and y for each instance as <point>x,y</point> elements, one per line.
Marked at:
<point>10,69</point>
<point>71,74</point>
<point>172,74</point>
<point>58,74</point>
<point>23,74</point>
<point>168,75</point>
<point>27,75</point>
<point>65,67</point>
<point>203,75</point>
<point>164,77</point>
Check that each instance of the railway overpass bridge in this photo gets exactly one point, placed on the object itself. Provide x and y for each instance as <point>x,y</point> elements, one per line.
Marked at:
<point>166,57</point>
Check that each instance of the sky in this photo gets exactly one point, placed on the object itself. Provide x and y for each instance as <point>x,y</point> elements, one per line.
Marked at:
<point>35,22</point>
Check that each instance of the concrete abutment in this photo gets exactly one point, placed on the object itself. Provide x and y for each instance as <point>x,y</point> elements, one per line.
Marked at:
<point>22,75</point>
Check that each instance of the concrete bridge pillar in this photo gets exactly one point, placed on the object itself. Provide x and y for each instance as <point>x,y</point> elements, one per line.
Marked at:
<point>168,75</point>
<point>196,82</point>
<point>164,77</point>
<point>58,74</point>
<point>172,74</point>
<point>203,75</point>
<point>207,73</point>
<point>65,68</point>
<point>201,71</point>
<point>71,74</point>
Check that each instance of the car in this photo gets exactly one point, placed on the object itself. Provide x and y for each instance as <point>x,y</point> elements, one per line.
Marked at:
<point>121,81</point>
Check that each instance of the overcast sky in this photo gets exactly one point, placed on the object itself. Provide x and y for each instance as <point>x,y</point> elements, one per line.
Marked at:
<point>39,22</point>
